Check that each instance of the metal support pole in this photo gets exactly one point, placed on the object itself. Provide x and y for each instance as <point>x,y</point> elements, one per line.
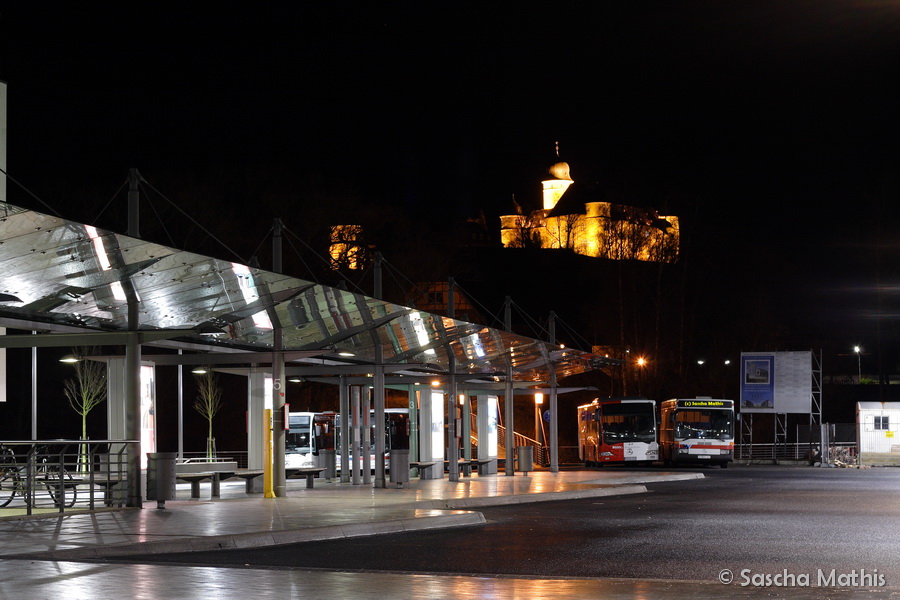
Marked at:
<point>134,212</point>
<point>377,274</point>
<point>554,424</point>
<point>34,383</point>
<point>507,314</point>
<point>467,427</point>
<point>344,416</point>
<point>133,405</point>
<point>452,439</point>
<point>379,417</point>
<point>413,402</point>
<point>276,246</point>
<point>366,438</point>
<point>554,413</point>
<point>508,418</point>
<point>354,433</point>
<point>180,409</point>
<point>279,478</point>
<point>279,419</point>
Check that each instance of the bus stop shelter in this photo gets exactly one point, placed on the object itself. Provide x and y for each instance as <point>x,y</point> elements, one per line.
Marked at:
<point>76,285</point>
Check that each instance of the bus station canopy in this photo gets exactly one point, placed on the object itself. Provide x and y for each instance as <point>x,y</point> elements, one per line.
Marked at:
<point>75,282</point>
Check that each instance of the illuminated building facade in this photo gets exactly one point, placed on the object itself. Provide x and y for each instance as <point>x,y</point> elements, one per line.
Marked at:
<point>570,219</point>
<point>346,249</point>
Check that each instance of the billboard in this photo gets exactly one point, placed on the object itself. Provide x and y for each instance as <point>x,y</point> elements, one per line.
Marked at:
<point>776,382</point>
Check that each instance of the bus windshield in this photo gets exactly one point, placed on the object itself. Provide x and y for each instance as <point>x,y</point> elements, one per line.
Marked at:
<point>702,423</point>
<point>628,422</point>
<point>298,438</point>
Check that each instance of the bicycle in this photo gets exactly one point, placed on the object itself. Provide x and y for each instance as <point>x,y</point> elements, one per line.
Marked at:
<point>52,477</point>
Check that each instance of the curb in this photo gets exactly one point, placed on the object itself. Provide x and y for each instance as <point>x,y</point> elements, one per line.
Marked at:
<point>260,539</point>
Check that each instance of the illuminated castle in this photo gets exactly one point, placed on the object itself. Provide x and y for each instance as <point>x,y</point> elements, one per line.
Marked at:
<point>571,219</point>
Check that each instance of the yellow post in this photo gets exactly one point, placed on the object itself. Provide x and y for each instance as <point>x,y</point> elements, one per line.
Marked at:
<point>269,489</point>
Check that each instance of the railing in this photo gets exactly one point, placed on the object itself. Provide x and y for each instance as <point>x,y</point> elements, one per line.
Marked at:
<point>62,475</point>
<point>541,455</point>
<point>794,451</point>
<point>239,456</point>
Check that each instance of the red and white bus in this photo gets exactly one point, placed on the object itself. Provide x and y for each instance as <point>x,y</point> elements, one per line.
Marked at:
<point>617,431</point>
<point>697,430</point>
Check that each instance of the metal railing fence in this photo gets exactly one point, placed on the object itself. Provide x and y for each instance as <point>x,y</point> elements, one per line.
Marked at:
<point>62,475</point>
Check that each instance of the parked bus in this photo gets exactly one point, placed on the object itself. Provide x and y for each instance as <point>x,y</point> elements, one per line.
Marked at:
<point>311,432</point>
<point>308,432</point>
<point>617,431</point>
<point>698,430</point>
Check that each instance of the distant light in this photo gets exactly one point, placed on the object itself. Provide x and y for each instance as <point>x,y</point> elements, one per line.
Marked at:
<point>727,362</point>
<point>856,349</point>
<point>701,361</point>
<point>462,399</point>
<point>538,398</point>
<point>69,359</point>
<point>641,361</point>
<point>199,371</point>
<point>435,383</point>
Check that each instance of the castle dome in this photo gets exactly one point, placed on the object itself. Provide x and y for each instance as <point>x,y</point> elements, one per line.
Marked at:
<point>560,170</point>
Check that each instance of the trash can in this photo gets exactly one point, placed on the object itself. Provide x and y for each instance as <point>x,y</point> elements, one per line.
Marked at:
<point>161,477</point>
<point>526,458</point>
<point>399,466</point>
<point>328,460</point>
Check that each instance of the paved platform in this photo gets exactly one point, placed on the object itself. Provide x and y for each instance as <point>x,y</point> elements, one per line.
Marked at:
<point>328,511</point>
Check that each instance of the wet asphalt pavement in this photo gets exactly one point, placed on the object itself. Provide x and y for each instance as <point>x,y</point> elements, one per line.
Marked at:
<point>749,521</point>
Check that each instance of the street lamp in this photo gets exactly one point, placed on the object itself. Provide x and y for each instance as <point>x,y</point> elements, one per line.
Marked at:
<point>641,361</point>
<point>858,364</point>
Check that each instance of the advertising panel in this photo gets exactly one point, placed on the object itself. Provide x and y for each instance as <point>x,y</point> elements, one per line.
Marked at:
<point>776,382</point>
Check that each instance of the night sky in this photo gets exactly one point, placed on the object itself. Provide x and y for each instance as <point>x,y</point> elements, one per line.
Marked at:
<point>770,128</point>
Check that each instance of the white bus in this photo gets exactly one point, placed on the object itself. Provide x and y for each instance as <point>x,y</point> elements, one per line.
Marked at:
<point>617,431</point>
<point>301,443</point>
<point>697,430</point>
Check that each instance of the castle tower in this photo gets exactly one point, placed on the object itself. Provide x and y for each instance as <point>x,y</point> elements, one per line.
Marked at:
<point>559,182</point>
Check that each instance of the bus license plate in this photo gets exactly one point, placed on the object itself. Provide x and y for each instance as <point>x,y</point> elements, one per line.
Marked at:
<point>703,456</point>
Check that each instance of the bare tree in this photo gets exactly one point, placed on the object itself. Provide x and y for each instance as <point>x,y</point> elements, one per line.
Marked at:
<point>566,230</point>
<point>88,388</point>
<point>85,391</point>
<point>208,403</point>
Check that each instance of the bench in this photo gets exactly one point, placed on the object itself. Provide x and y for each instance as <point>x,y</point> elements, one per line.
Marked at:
<point>195,478</point>
<point>478,462</point>
<point>465,466</point>
<point>309,472</point>
<point>422,465</point>
<point>108,486</point>
<point>248,476</point>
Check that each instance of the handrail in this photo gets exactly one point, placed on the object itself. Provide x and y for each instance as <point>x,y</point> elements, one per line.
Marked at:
<point>518,440</point>
<point>63,474</point>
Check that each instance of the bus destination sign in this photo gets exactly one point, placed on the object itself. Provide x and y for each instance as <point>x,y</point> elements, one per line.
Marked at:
<point>705,403</point>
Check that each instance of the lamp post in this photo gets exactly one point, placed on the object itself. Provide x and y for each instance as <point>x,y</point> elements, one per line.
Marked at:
<point>858,364</point>
<point>641,361</point>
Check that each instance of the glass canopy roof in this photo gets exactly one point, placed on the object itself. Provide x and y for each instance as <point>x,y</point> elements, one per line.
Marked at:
<point>70,275</point>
